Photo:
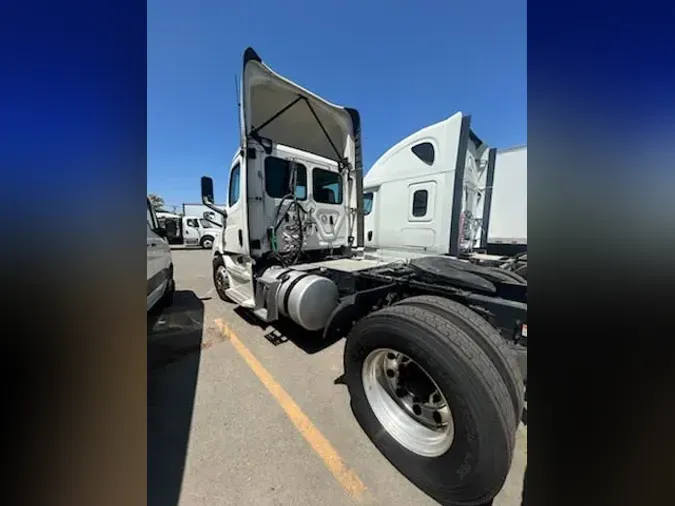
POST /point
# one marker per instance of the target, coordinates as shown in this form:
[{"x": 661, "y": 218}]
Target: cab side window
[
  {"x": 425, "y": 152},
  {"x": 326, "y": 186},
  {"x": 278, "y": 178},
  {"x": 419, "y": 205},
  {"x": 233, "y": 193},
  {"x": 367, "y": 203},
  {"x": 192, "y": 222}
]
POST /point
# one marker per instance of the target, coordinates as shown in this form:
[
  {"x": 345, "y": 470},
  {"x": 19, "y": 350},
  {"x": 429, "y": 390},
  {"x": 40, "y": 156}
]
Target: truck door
[
  {"x": 236, "y": 232},
  {"x": 369, "y": 216},
  {"x": 328, "y": 195},
  {"x": 420, "y": 230},
  {"x": 173, "y": 230},
  {"x": 190, "y": 231}
]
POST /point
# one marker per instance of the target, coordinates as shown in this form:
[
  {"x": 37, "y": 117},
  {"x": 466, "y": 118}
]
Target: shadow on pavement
[
  {"x": 174, "y": 350},
  {"x": 285, "y": 330}
]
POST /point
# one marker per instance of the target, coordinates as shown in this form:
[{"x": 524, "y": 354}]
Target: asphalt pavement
[{"x": 240, "y": 414}]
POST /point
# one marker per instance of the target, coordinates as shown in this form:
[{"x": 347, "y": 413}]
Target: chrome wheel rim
[
  {"x": 208, "y": 243},
  {"x": 221, "y": 279},
  {"x": 407, "y": 402}
]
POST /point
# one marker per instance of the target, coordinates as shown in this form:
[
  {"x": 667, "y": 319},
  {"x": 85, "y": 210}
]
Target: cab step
[{"x": 241, "y": 296}]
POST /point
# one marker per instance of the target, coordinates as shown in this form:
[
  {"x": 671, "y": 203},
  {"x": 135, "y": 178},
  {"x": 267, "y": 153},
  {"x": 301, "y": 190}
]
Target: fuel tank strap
[
  {"x": 292, "y": 285},
  {"x": 282, "y": 274}
]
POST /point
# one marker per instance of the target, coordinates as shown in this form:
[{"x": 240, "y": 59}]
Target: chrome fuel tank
[{"x": 305, "y": 298}]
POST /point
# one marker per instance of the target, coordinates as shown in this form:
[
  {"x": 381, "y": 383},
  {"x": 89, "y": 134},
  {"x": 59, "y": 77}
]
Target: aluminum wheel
[
  {"x": 220, "y": 279},
  {"x": 207, "y": 244},
  {"x": 407, "y": 402}
]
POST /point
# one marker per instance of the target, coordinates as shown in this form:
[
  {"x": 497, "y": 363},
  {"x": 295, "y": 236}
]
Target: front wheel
[
  {"x": 220, "y": 280},
  {"x": 432, "y": 402},
  {"x": 206, "y": 242}
]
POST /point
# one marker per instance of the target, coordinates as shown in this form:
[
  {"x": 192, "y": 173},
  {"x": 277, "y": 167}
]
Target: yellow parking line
[{"x": 345, "y": 476}]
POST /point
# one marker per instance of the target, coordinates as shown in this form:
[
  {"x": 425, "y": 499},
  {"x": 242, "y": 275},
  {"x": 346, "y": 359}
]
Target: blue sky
[{"x": 403, "y": 65}]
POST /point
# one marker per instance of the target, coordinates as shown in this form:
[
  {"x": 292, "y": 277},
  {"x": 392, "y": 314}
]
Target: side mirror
[
  {"x": 207, "y": 190},
  {"x": 207, "y": 196}
]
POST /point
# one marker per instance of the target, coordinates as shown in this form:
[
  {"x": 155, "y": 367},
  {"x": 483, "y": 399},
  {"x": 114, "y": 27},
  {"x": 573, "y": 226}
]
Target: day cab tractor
[
  {"x": 429, "y": 355},
  {"x": 189, "y": 230}
]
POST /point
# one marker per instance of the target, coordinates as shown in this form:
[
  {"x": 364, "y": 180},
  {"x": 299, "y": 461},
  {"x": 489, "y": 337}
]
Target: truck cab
[
  {"x": 297, "y": 162},
  {"x": 190, "y": 230},
  {"x": 424, "y": 195}
]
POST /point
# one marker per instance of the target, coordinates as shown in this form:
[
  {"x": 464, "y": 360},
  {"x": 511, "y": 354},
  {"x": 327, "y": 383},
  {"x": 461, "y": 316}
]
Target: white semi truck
[
  {"x": 189, "y": 230},
  {"x": 204, "y": 212},
  {"x": 438, "y": 192},
  {"x": 429, "y": 359}
]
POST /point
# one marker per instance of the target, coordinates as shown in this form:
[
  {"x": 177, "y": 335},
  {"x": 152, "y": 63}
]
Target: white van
[{"x": 161, "y": 285}]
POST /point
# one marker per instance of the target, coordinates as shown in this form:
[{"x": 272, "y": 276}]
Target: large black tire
[
  {"x": 485, "y": 336},
  {"x": 474, "y": 468}
]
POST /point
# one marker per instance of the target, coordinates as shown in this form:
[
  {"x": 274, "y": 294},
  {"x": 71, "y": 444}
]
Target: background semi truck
[
  {"x": 204, "y": 212},
  {"x": 440, "y": 192},
  {"x": 189, "y": 230},
  {"x": 429, "y": 358}
]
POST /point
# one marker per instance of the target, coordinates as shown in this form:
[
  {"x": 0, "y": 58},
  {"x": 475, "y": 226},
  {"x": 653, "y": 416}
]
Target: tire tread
[
  {"x": 487, "y": 337},
  {"x": 443, "y": 333}
]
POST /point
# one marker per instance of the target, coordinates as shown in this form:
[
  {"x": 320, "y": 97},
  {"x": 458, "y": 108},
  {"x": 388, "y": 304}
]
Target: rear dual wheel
[
  {"x": 432, "y": 401},
  {"x": 485, "y": 336}
]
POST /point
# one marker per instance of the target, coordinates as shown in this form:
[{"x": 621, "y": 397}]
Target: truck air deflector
[
  {"x": 358, "y": 175},
  {"x": 343, "y": 162},
  {"x": 458, "y": 189},
  {"x": 270, "y": 109},
  {"x": 487, "y": 205}
]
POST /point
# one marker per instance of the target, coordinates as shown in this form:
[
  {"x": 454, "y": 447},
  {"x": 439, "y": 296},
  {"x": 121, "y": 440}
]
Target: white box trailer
[
  {"x": 505, "y": 208},
  {"x": 200, "y": 209}
]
